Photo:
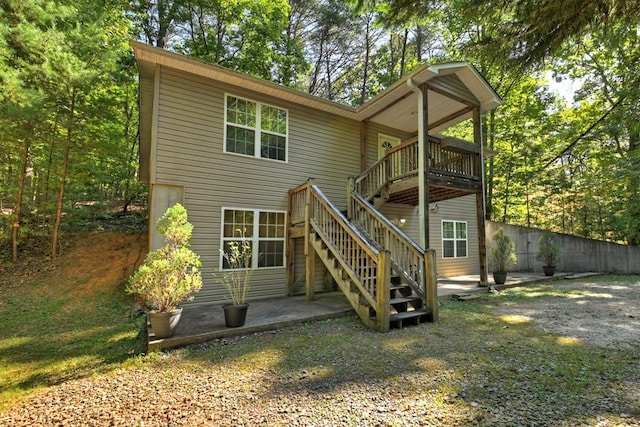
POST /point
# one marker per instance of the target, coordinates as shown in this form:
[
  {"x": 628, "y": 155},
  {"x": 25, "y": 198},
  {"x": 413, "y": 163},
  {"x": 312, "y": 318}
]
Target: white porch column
[{"x": 423, "y": 162}]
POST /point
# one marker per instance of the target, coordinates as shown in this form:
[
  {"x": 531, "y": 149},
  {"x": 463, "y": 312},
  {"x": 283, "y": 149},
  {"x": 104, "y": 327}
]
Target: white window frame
[
  {"x": 455, "y": 239},
  {"x": 255, "y": 239},
  {"x": 258, "y": 130}
]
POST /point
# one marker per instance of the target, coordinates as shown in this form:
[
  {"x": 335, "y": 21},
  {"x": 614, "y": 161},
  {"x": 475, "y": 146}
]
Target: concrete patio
[{"x": 205, "y": 322}]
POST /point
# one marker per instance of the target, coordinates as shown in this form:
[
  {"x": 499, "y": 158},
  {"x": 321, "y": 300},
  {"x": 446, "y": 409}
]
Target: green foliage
[
  {"x": 67, "y": 78},
  {"x": 169, "y": 275},
  {"x": 502, "y": 256},
  {"x": 236, "y": 278},
  {"x": 548, "y": 252},
  {"x": 242, "y": 35}
]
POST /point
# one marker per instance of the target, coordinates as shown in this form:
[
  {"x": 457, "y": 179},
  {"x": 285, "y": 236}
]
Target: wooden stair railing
[
  {"x": 411, "y": 262},
  {"x": 361, "y": 270}
]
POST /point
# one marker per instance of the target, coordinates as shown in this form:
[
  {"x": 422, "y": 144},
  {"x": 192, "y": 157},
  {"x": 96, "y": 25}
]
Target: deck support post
[
  {"x": 309, "y": 252},
  {"x": 383, "y": 296},
  {"x": 291, "y": 249},
  {"x": 480, "y": 199},
  {"x": 431, "y": 283},
  {"x": 291, "y": 280}
]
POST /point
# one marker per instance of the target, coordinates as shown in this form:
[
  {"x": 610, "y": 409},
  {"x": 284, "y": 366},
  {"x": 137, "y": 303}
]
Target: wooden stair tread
[
  {"x": 400, "y": 300},
  {"x": 409, "y": 314}
]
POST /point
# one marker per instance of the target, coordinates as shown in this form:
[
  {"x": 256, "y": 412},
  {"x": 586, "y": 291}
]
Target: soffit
[{"x": 453, "y": 88}]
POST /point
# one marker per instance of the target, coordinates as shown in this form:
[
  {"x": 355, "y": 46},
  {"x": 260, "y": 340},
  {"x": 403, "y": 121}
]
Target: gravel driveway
[{"x": 599, "y": 313}]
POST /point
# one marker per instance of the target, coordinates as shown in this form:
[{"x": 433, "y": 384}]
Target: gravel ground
[
  {"x": 598, "y": 313},
  {"x": 178, "y": 388}
]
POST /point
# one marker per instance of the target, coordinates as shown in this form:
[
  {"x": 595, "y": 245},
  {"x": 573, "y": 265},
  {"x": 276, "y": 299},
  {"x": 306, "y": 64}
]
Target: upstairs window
[
  {"x": 454, "y": 239},
  {"x": 255, "y": 129}
]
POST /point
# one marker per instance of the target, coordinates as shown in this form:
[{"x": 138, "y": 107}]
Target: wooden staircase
[
  {"x": 407, "y": 308},
  {"x": 360, "y": 254}
]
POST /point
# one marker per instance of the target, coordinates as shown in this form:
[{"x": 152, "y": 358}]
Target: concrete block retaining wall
[{"x": 577, "y": 254}]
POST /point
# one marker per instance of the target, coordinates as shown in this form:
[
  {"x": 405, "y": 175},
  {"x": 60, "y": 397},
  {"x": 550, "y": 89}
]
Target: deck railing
[
  {"x": 401, "y": 162},
  {"x": 367, "y": 266}
]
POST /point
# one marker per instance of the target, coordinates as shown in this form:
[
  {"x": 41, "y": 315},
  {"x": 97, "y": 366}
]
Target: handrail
[
  {"x": 407, "y": 257},
  {"x": 366, "y": 266}
]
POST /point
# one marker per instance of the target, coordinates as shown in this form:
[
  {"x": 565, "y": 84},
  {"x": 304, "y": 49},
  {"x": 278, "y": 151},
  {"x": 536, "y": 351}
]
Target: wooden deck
[{"x": 454, "y": 170}]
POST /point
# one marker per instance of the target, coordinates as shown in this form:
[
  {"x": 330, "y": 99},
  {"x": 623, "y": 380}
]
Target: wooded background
[{"x": 567, "y": 161}]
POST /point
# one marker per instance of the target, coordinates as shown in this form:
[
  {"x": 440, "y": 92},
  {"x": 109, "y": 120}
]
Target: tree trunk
[
  {"x": 18, "y": 204},
  {"x": 403, "y": 57},
  {"x": 56, "y": 227},
  {"x": 367, "y": 53}
]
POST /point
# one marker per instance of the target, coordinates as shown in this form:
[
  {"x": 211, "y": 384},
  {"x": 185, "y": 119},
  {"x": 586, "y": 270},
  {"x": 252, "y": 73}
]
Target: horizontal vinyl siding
[
  {"x": 190, "y": 153},
  {"x": 460, "y": 209}
]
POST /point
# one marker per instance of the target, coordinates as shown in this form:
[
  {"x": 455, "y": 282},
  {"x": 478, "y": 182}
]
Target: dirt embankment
[{"x": 88, "y": 262}]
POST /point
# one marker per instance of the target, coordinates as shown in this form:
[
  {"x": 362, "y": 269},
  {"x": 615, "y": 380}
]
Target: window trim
[
  {"x": 257, "y": 143},
  {"x": 255, "y": 240},
  {"x": 455, "y": 239}
]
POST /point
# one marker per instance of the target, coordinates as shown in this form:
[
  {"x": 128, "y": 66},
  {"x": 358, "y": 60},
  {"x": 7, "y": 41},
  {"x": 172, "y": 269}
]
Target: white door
[{"x": 385, "y": 142}]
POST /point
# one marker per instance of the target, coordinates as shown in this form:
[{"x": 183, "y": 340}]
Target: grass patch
[{"x": 64, "y": 322}]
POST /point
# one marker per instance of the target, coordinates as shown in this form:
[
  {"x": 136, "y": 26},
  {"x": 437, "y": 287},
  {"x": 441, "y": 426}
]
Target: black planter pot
[
  {"x": 499, "y": 277},
  {"x": 549, "y": 270},
  {"x": 235, "y": 315}
]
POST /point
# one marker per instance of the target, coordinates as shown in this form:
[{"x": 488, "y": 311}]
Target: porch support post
[
  {"x": 480, "y": 201},
  {"x": 291, "y": 249},
  {"x": 423, "y": 162}
]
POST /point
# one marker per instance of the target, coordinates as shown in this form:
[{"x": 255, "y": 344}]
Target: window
[
  {"x": 454, "y": 239},
  {"x": 263, "y": 230},
  {"x": 255, "y": 129}
]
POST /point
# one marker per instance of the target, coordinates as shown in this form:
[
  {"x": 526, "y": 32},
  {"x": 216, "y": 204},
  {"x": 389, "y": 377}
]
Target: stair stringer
[{"x": 342, "y": 274}]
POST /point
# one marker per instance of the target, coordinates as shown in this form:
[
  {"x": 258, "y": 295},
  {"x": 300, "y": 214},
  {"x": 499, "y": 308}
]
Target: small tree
[
  {"x": 170, "y": 274},
  {"x": 548, "y": 251},
  {"x": 237, "y": 276},
  {"x": 502, "y": 257}
]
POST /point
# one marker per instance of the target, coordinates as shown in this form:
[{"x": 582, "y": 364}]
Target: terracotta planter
[
  {"x": 164, "y": 324},
  {"x": 549, "y": 270},
  {"x": 235, "y": 315},
  {"x": 499, "y": 277}
]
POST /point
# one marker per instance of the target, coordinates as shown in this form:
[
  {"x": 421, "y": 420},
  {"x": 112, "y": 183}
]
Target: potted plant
[
  {"x": 169, "y": 275},
  {"x": 236, "y": 277},
  {"x": 502, "y": 256},
  {"x": 548, "y": 252}
]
